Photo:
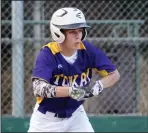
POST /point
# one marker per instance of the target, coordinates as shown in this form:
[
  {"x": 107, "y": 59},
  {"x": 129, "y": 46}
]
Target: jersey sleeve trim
[
  {"x": 103, "y": 73},
  {"x": 39, "y": 99}
]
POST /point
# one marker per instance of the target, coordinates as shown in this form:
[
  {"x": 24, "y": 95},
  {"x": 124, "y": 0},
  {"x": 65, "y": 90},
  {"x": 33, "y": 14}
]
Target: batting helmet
[{"x": 66, "y": 18}]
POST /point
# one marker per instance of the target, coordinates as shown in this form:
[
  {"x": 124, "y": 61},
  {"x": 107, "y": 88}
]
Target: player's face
[{"x": 73, "y": 38}]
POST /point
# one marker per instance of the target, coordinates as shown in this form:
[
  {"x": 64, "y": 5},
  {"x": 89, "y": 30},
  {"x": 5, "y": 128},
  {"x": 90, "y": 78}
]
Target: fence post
[
  {"x": 37, "y": 27},
  {"x": 17, "y": 59},
  {"x": 137, "y": 60}
]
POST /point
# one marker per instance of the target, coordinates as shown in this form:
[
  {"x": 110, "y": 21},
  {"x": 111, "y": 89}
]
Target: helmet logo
[
  {"x": 65, "y": 12},
  {"x": 78, "y": 15}
]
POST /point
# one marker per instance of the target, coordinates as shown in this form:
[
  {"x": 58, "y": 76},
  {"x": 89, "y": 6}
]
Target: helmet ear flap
[
  {"x": 56, "y": 33},
  {"x": 84, "y": 34}
]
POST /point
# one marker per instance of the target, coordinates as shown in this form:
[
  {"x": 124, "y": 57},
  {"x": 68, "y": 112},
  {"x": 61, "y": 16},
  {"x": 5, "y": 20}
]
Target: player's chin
[{"x": 77, "y": 45}]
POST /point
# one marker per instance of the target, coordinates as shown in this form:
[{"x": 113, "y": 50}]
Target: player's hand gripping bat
[{"x": 85, "y": 92}]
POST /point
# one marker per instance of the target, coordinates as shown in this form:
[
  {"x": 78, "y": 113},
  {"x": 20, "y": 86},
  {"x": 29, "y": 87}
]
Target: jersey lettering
[{"x": 73, "y": 80}]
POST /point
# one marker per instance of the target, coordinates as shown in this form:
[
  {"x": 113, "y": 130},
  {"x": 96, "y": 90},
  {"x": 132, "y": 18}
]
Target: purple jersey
[{"x": 51, "y": 66}]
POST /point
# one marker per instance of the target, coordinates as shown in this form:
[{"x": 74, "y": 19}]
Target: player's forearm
[
  {"x": 111, "y": 79},
  {"x": 62, "y": 91},
  {"x": 43, "y": 89}
]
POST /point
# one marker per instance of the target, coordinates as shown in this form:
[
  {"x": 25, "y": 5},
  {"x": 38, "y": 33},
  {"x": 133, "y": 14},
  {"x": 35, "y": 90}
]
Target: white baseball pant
[{"x": 78, "y": 122}]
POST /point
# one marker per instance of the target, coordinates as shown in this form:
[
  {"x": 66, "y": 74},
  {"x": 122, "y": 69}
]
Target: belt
[{"x": 63, "y": 114}]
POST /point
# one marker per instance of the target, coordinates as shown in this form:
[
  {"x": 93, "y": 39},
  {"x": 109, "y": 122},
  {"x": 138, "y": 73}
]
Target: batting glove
[
  {"x": 84, "y": 92},
  {"x": 97, "y": 89},
  {"x": 76, "y": 93}
]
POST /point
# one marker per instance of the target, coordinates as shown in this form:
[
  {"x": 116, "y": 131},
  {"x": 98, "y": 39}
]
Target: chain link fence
[{"x": 119, "y": 28}]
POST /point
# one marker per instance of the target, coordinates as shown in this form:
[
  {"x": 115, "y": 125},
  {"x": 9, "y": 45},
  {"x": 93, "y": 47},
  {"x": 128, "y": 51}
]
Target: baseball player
[{"x": 62, "y": 72}]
